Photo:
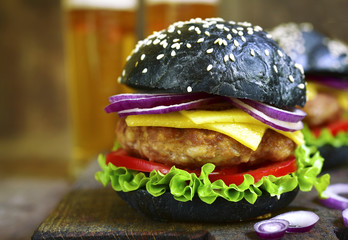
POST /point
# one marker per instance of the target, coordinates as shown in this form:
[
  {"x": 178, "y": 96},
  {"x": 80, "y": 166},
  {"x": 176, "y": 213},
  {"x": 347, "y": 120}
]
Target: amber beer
[
  {"x": 100, "y": 34},
  {"x": 161, "y": 13}
]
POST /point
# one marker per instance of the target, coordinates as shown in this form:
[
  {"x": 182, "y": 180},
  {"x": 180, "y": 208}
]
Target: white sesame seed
[
  {"x": 220, "y": 26},
  {"x": 207, "y": 33},
  {"x": 144, "y": 70},
  {"x": 164, "y": 43},
  {"x": 210, "y": 50},
  {"x": 136, "y": 64},
  {"x": 299, "y": 67},
  {"x": 149, "y": 42},
  {"x": 119, "y": 79},
  {"x": 243, "y": 38},
  {"x": 291, "y": 78},
  {"x": 176, "y": 45},
  {"x": 235, "y": 42},
  {"x": 200, "y": 40},
  {"x": 189, "y": 89},
  {"x": 268, "y": 35},
  {"x": 209, "y": 67},
  {"x": 229, "y": 36},
  {"x": 257, "y": 28},
  {"x": 232, "y": 57},
  {"x": 173, "y": 53},
  {"x": 123, "y": 73},
  {"x": 142, "y": 57},
  {"x": 176, "y": 40},
  {"x": 191, "y": 28},
  {"x": 240, "y": 28},
  {"x": 234, "y": 31},
  {"x": 275, "y": 68},
  {"x": 129, "y": 56},
  {"x": 280, "y": 53},
  {"x": 240, "y": 33},
  {"x": 198, "y": 31},
  {"x": 179, "y": 32},
  {"x": 266, "y": 52},
  {"x": 171, "y": 29},
  {"x": 217, "y": 40},
  {"x": 160, "y": 56},
  {"x": 226, "y": 58},
  {"x": 252, "y": 52},
  {"x": 226, "y": 29},
  {"x": 162, "y": 36},
  {"x": 188, "y": 45},
  {"x": 180, "y": 24},
  {"x": 156, "y": 41},
  {"x": 205, "y": 25},
  {"x": 301, "y": 86},
  {"x": 250, "y": 32}
]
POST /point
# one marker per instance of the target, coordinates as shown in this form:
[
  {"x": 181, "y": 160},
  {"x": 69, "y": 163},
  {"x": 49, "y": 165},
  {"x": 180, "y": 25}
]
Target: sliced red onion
[
  {"x": 300, "y": 221},
  {"x": 272, "y": 122},
  {"x": 271, "y": 229},
  {"x": 171, "y": 108},
  {"x": 345, "y": 217},
  {"x": 335, "y": 200},
  {"x": 121, "y": 102},
  {"x": 134, "y": 96},
  {"x": 288, "y": 116},
  {"x": 127, "y": 96}
]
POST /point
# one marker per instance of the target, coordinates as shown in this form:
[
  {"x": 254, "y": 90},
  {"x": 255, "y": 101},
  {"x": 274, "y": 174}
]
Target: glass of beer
[
  {"x": 100, "y": 34},
  {"x": 161, "y": 13}
]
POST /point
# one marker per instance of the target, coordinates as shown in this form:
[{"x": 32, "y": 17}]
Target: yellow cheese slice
[
  {"x": 236, "y": 116},
  {"x": 314, "y": 88},
  {"x": 249, "y": 135},
  {"x": 247, "y": 132},
  {"x": 224, "y": 116},
  {"x": 311, "y": 91},
  {"x": 174, "y": 119}
]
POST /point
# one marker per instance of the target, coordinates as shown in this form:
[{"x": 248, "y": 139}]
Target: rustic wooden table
[{"x": 90, "y": 211}]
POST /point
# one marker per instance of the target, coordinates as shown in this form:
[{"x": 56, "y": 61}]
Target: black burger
[
  {"x": 325, "y": 63},
  {"x": 213, "y": 132}
]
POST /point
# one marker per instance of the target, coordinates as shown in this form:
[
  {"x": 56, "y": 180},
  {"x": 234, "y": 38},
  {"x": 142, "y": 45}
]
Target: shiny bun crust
[
  {"x": 218, "y": 57},
  {"x": 318, "y": 54}
]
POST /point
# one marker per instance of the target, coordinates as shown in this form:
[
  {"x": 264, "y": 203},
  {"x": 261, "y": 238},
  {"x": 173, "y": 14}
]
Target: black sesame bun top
[
  {"x": 218, "y": 57},
  {"x": 318, "y": 54}
]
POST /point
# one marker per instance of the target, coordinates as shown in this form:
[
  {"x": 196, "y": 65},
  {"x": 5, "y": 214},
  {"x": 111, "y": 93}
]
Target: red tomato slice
[
  {"x": 120, "y": 158},
  {"x": 334, "y": 128},
  {"x": 229, "y": 175},
  {"x": 277, "y": 169}
]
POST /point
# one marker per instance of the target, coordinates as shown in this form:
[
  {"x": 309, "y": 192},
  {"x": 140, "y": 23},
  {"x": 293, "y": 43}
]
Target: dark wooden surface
[{"x": 90, "y": 211}]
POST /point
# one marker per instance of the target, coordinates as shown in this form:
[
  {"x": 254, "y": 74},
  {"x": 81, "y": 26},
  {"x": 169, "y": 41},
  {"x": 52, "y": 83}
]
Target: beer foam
[
  {"x": 102, "y": 4},
  {"x": 183, "y": 1}
]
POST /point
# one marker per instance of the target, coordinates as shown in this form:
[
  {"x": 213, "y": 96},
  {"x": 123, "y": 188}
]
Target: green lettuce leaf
[
  {"x": 325, "y": 137},
  {"x": 184, "y": 186}
]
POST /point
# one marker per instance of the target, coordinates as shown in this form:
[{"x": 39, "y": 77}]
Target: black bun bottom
[
  {"x": 166, "y": 208},
  {"x": 333, "y": 156}
]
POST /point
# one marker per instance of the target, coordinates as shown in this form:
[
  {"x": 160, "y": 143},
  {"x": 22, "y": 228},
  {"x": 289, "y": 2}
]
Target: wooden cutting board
[{"x": 90, "y": 211}]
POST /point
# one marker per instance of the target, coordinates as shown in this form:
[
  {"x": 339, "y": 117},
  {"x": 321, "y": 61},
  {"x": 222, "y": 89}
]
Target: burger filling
[
  {"x": 322, "y": 110},
  {"x": 194, "y": 147},
  {"x": 324, "y": 106}
]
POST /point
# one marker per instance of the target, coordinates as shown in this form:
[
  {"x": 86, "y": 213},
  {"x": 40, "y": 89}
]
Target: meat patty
[
  {"x": 322, "y": 110},
  {"x": 195, "y": 147}
]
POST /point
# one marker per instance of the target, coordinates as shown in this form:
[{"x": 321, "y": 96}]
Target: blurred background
[{"x": 60, "y": 61}]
